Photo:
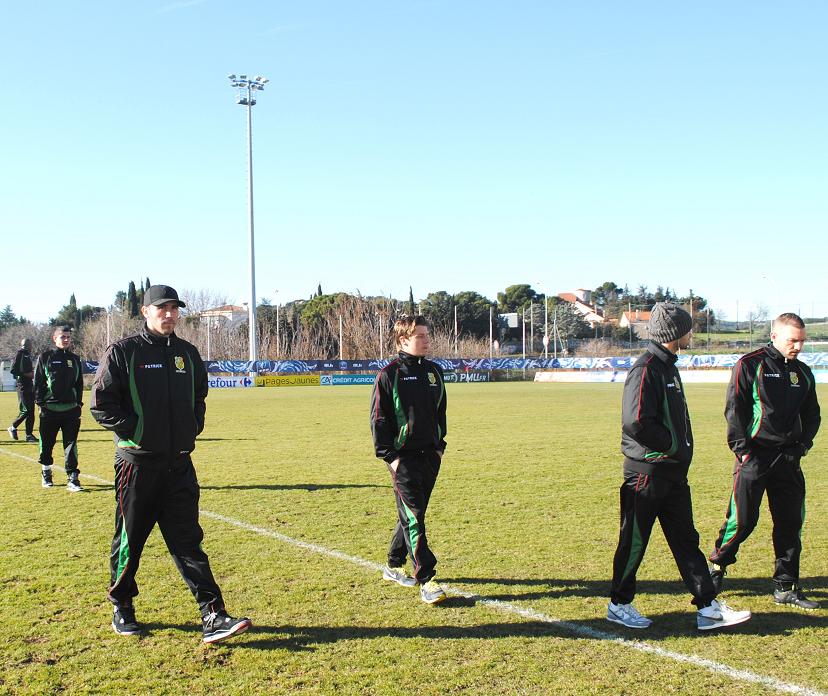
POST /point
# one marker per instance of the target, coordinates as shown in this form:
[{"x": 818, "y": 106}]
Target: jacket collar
[
  {"x": 662, "y": 353},
  {"x": 409, "y": 359},
  {"x": 150, "y": 337},
  {"x": 771, "y": 350}
]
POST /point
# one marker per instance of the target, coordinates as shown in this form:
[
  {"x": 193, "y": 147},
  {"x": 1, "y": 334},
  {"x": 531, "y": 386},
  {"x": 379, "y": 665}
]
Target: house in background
[{"x": 638, "y": 319}]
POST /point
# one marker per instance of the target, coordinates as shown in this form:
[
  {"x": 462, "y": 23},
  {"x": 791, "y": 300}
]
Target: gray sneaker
[
  {"x": 627, "y": 615},
  {"x": 31, "y": 438},
  {"x": 719, "y": 615},
  {"x": 13, "y": 432},
  {"x": 46, "y": 478},
  {"x": 795, "y": 597},
  {"x": 398, "y": 575},
  {"x": 431, "y": 592},
  {"x": 73, "y": 484}
]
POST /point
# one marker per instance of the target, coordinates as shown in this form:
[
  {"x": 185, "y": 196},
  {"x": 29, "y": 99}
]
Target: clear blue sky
[{"x": 442, "y": 145}]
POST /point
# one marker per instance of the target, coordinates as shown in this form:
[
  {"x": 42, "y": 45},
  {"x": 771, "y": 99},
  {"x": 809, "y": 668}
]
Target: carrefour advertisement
[{"x": 229, "y": 382}]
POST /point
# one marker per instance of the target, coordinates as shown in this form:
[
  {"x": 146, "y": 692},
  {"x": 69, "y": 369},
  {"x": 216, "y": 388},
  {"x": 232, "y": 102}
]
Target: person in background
[
  {"x": 58, "y": 391},
  {"x": 23, "y": 372}
]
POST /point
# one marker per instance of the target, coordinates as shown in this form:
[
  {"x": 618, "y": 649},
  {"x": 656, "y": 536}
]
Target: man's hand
[{"x": 793, "y": 453}]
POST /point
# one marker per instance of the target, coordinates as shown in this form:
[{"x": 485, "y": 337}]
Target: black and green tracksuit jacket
[
  {"x": 771, "y": 403},
  {"x": 408, "y": 407},
  {"x": 149, "y": 391},
  {"x": 656, "y": 436},
  {"x": 22, "y": 367},
  {"x": 58, "y": 381}
]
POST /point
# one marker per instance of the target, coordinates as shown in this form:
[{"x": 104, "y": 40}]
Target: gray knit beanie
[{"x": 668, "y": 322}]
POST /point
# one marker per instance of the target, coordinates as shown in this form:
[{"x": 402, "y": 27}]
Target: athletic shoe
[
  {"x": 124, "y": 623},
  {"x": 73, "y": 484},
  {"x": 794, "y": 597},
  {"x": 432, "y": 593},
  {"x": 46, "y": 478},
  {"x": 13, "y": 432},
  {"x": 398, "y": 575},
  {"x": 30, "y": 438},
  {"x": 719, "y": 615},
  {"x": 220, "y": 626},
  {"x": 717, "y": 574},
  {"x": 627, "y": 615}
]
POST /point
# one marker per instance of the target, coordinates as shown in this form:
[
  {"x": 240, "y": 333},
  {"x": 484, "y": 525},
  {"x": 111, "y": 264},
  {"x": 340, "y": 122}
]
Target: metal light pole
[{"x": 246, "y": 87}]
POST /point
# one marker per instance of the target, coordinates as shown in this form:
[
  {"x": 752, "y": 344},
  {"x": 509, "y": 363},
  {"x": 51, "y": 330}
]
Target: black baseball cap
[{"x": 159, "y": 294}]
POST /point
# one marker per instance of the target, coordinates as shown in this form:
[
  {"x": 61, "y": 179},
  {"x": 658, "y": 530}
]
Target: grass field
[{"x": 524, "y": 520}]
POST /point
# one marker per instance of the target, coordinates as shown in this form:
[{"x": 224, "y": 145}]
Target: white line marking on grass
[{"x": 508, "y": 608}]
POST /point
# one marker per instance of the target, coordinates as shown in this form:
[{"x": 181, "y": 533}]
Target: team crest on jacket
[
  {"x": 179, "y": 363},
  {"x": 794, "y": 378},
  {"x": 431, "y": 378}
]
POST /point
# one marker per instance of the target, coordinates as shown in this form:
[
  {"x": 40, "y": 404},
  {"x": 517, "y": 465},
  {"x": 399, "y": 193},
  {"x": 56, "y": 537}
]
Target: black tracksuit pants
[
  {"x": 25, "y": 397},
  {"x": 413, "y": 483},
  {"x": 645, "y": 499},
  {"x": 68, "y": 424},
  {"x": 153, "y": 492},
  {"x": 766, "y": 470}
]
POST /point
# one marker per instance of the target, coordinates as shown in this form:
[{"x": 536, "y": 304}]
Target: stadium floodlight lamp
[{"x": 246, "y": 87}]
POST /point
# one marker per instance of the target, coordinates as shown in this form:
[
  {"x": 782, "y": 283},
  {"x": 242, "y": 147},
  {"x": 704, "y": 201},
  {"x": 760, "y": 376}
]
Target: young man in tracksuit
[
  {"x": 23, "y": 372},
  {"x": 772, "y": 418},
  {"x": 150, "y": 391},
  {"x": 657, "y": 442},
  {"x": 58, "y": 391},
  {"x": 408, "y": 424}
]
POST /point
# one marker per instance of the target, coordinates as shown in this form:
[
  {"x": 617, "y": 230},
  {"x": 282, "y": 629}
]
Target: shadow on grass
[
  {"x": 293, "y": 486},
  {"x": 665, "y": 626},
  {"x": 816, "y": 587}
]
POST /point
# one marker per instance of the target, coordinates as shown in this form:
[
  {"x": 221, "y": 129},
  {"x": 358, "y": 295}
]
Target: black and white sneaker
[
  {"x": 124, "y": 623},
  {"x": 31, "y": 438},
  {"x": 794, "y": 597},
  {"x": 73, "y": 484},
  {"x": 219, "y": 626},
  {"x": 13, "y": 432},
  {"x": 46, "y": 477}
]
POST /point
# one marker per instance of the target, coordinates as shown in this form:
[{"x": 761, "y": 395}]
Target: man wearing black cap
[
  {"x": 23, "y": 372},
  {"x": 58, "y": 391},
  {"x": 657, "y": 443},
  {"x": 150, "y": 390},
  {"x": 772, "y": 418}
]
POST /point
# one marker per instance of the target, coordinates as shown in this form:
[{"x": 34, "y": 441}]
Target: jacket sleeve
[
  {"x": 383, "y": 422},
  {"x": 739, "y": 409},
  {"x": 200, "y": 385},
  {"x": 40, "y": 379},
  {"x": 640, "y": 410},
  {"x": 79, "y": 380},
  {"x": 441, "y": 413},
  {"x": 111, "y": 402},
  {"x": 809, "y": 415}
]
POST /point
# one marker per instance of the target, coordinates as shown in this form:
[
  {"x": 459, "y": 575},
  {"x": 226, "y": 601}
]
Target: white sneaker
[
  {"x": 398, "y": 575},
  {"x": 719, "y": 615},
  {"x": 627, "y": 615}
]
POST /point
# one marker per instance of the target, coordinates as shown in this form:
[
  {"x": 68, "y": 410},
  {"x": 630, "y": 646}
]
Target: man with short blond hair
[
  {"x": 772, "y": 417},
  {"x": 408, "y": 425}
]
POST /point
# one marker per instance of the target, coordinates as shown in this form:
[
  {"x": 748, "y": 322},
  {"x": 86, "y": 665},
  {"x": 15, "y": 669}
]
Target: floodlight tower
[{"x": 247, "y": 88}]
